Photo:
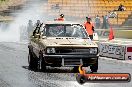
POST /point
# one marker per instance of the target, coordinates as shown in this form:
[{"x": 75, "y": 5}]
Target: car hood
[{"x": 68, "y": 42}]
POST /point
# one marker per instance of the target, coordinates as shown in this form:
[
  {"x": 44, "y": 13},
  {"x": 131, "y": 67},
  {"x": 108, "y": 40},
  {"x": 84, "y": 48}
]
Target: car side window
[
  {"x": 43, "y": 31},
  {"x": 56, "y": 30},
  {"x": 68, "y": 31}
]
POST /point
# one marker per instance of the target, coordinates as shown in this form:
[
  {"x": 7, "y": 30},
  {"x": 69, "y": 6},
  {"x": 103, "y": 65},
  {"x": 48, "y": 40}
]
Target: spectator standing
[
  {"x": 121, "y": 8},
  {"x": 97, "y": 22},
  {"x": 89, "y": 27},
  {"x": 61, "y": 18},
  {"x": 37, "y": 27},
  {"x": 105, "y": 24},
  {"x": 30, "y": 28},
  {"x": 38, "y": 23}
]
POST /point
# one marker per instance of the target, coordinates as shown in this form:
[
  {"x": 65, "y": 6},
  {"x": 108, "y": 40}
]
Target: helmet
[
  {"x": 62, "y": 15},
  {"x": 88, "y": 17}
]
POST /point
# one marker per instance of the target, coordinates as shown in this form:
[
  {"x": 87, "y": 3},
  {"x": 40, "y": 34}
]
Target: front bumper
[
  {"x": 69, "y": 56},
  {"x": 70, "y": 60}
]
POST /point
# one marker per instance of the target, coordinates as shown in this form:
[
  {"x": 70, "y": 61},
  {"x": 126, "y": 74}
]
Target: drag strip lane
[
  {"x": 11, "y": 71},
  {"x": 13, "y": 56},
  {"x": 13, "y": 46}
]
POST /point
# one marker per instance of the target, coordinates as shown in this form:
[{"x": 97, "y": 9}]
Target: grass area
[{"x": 3, "y": 1}]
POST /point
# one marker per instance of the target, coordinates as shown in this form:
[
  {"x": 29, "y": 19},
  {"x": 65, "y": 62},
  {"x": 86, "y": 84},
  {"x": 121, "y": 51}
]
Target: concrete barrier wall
[
  {"x": 112, "y": 50},
  {"x": 123, "y": 34},
  {"x": 116, "y": 49},
  {"x": 104, "y": 33}
]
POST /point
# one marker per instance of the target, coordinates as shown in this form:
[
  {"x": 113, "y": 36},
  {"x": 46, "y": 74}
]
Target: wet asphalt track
[{"x": 14, "y": 71}]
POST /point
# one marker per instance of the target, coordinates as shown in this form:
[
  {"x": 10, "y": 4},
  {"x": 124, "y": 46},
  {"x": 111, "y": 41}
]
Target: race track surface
[{"x": 14, "y": 70}]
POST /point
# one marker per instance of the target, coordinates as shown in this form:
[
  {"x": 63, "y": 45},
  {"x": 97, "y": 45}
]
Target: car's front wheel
[
  {"x": 33, "y": 63},
  {"x": 42, "y": 64},
  {"x": 81, "y": 79},
  {"x": 94, "y": 67}
]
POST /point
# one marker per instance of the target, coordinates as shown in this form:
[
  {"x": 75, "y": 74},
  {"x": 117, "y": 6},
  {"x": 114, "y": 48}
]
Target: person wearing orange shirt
[
  {"x": 89, "y": 27},
  {"x": 61, "y": 18}
]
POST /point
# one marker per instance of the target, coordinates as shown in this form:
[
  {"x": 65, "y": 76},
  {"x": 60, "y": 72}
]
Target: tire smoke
[{"x": 32, "y": 10}]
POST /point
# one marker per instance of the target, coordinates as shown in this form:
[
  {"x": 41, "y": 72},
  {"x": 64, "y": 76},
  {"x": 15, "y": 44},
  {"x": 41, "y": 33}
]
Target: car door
[
  {"x": 41, "y": 38},
  {"x": 35, "y": 42}
]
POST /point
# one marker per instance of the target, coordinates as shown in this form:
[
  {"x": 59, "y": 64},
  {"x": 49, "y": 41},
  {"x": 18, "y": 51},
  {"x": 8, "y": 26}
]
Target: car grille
[
  {"x": 71, "y": 62},
  {"x": 72, "y": 51}
]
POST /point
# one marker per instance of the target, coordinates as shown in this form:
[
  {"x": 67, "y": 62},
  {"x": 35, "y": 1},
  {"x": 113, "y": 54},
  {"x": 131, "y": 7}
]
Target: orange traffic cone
[{"x": 111, "y": 34}]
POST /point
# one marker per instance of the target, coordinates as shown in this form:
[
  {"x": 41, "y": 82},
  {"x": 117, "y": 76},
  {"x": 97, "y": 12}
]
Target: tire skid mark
[
  {"x": 43, "y": 80},
  {"x": 8, "y": 47},
  {"x": 4, "y": 83}
]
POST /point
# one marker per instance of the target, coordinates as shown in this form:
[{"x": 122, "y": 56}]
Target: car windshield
[{"x": 65, "y": 30}]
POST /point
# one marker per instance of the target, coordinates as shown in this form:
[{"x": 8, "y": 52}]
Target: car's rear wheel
[
  {"x": 94, "y": 67},
  {"x": 42, "y": 64},
  {"x": 33, "y": 62}
]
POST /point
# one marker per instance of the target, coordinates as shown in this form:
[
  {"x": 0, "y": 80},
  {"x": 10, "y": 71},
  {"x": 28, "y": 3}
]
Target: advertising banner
[
  {"x": 103, "y": 49},
  {"x": 121, "y": 50}
]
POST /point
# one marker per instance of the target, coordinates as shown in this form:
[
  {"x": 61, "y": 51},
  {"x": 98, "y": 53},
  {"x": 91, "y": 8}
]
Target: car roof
[{"x": 61, "y": 22}]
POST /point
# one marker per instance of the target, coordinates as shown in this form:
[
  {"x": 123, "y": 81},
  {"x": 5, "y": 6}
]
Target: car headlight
[
  {"x": 50, "y": 50},
  {"x": 93, "y": 50}
]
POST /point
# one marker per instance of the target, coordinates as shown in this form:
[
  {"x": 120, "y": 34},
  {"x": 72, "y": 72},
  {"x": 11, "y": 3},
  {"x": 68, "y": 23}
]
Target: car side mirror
[
  {"x": 43, "y": 37},
  {"x": 37, "y": 35},
  {"x": 88, "y": 38}
]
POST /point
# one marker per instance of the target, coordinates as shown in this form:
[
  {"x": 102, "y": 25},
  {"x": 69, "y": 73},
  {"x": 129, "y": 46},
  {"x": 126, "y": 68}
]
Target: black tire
[
  {"x": 33, "y": 62},
  {"x": 42, "y": 64},
  {"x": 94, "y": 67},
  {"x": 81, "y": 79}
]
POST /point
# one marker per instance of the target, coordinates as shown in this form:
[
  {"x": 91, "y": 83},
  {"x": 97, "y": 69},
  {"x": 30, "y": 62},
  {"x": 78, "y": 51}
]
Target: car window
[
  {"x": 66, "y": 30},
  {"x": 56, "y": 30},
  {"x": 76, "y": 31}
]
